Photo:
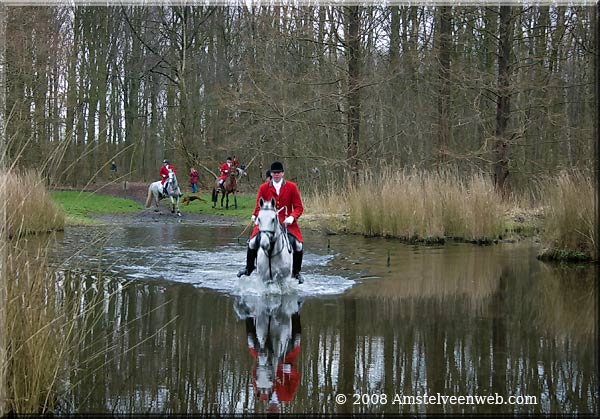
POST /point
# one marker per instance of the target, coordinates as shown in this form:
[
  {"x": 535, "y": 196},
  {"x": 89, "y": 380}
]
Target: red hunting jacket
[
  {"x": 164, "y": 172},
  {"x": 224, "y": 171},
  {"x": 289, "y": 197}
]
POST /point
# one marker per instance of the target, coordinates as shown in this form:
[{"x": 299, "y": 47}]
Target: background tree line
[{"x": 340, "y": 88}]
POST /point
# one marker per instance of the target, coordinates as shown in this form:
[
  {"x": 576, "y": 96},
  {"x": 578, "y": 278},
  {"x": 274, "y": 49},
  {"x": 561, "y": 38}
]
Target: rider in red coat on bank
[
  {"x": 286, "y": 196},
  {"x": 164, "y": 174},
  {"x": 225, "y": 168}
]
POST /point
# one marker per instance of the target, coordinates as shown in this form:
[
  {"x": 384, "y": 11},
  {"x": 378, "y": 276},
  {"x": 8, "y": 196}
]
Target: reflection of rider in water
[{"x": 282, "y": 387}]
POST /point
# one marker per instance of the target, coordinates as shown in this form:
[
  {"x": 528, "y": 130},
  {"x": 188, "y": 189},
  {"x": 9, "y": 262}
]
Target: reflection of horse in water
[
  {"x": 273, "y": 331},
  {"x": 229, "y": 187},
  {"x": 155, "y": 190}
]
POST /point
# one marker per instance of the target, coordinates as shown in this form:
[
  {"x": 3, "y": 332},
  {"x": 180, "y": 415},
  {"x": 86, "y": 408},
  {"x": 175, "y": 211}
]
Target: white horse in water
[
  {"x": 274, "y": 258},
  {"x": 173, "y": 192}
]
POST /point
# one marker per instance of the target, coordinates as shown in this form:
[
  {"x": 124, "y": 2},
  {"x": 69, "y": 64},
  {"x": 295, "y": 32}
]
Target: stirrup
[
  {"x": 242, "y": 272},
  {"x": 299, "y": 277}
]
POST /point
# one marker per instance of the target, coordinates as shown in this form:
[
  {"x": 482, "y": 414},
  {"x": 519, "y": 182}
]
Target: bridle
[
  {"x": 272, "y": 235},
  {"x": 172, "y": 182}
]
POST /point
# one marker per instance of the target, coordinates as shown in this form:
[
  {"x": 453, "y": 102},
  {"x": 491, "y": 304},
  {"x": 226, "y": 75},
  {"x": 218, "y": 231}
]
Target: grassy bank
[
  {"x": 81, "y": 206},
  {"x": 431, "y": 207},
  {"x": 244, "y": 210},
  {"x": 569, "y": 230}
]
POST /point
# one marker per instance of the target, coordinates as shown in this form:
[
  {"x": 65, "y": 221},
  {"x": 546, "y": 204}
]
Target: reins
[{"x": 286, "y": 242}]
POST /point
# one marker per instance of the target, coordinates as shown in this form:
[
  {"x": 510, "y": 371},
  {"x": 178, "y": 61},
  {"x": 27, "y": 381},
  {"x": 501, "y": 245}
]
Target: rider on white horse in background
[
  {"x": 288, "y": 200},
  {"x": 225, "y": 168},
  {"x": 164, "y": 174}
]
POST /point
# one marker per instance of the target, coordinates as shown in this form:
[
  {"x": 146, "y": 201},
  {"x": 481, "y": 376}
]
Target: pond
[{"x": 377, "y": 327}]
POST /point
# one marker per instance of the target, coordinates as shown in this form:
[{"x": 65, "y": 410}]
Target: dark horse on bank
[{"x": 229, "y": 187}]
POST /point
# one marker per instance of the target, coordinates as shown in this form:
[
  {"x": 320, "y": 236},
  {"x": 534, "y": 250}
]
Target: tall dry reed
[
  {"x": 29, "y": 208},
  {"x": 569, "y": 229},
  {"x": 35, "y": 330},
  {"x": 420, "y": 205},
  {"x": 37, "y": 322}
]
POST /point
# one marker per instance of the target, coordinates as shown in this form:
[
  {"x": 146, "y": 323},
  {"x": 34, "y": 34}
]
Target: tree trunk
[
  {"x": 445, "y": 43},
  {"x": 353, "y": 50},
  {"x": 3, "y": 230},
  {"x": 502, "y": 144}
]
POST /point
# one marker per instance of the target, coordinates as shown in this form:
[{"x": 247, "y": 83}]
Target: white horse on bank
[{"x": 155, "y": 190}]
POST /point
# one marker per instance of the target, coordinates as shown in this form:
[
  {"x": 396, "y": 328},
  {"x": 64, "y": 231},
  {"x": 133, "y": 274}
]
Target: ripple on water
[{"x": 217, "y": 270}]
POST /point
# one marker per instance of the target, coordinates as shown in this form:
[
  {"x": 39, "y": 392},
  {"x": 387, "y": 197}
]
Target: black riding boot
[
  {"x": 297, "y": 266},
  {"x": 250, "y": 262}
]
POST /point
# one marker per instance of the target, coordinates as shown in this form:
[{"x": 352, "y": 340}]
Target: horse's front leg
[
  {"x": 235, "y": 200},
  {"x": 172, "y": 205},
  {"x": 177, "y": 206}
]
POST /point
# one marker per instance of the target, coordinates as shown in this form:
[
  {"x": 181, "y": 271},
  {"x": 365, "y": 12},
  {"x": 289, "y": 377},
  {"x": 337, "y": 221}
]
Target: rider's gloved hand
[
  {"x": 253, "y": 218},
  {"x": 289, "y": 220}
]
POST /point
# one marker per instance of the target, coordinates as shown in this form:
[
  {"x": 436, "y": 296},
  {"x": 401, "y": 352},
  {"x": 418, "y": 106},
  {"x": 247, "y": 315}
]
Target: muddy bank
[{"x": 165, "y": 216}]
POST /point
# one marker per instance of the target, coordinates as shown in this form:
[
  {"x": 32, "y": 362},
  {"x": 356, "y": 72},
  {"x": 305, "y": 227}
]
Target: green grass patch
[
  {"x": 79, "y": 206},
  {"x": 564, "y": 255},
  {"x": 519, "y": 230},
  {"x": 245, "y": 206}
]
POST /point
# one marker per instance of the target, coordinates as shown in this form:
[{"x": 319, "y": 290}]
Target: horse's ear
[
  {"x": 273, "y": 202},
  {"x": 261, "y": 202}
]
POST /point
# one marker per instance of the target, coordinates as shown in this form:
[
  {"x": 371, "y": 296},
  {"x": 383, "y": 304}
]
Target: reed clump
[
  {"x": 29, "y": 208},
  {"x": 326, "y": 209},
  {"x": 37, "y": 320},
  {"x": 36, "y": 331},
  {"x": 569, "y": 231},
  {"x": 426, "y": 206}
]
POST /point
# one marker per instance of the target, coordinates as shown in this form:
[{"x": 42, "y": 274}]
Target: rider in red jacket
[
  {"x": 225, "y": 168},
  {"x": 286, "y": 196},
  {"x": 164, "y": 174}
]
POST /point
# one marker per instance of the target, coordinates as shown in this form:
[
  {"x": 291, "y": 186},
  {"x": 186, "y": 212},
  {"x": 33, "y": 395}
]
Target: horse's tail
[
  {"x": 214, "y": 195},
  {"x": 149, "y": 198}
]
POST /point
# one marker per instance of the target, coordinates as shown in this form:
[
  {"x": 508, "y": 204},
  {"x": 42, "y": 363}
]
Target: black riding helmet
[{"x": 277, "y": 167}]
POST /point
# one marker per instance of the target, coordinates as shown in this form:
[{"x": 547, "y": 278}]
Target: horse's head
[
  {"x": 268, "y": 222},
  {"x": 241, "y": 171},
  {"x": 172, "y": 180}
]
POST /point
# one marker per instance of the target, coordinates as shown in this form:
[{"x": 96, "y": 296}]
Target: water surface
[{"x": 375, "y": 320}]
